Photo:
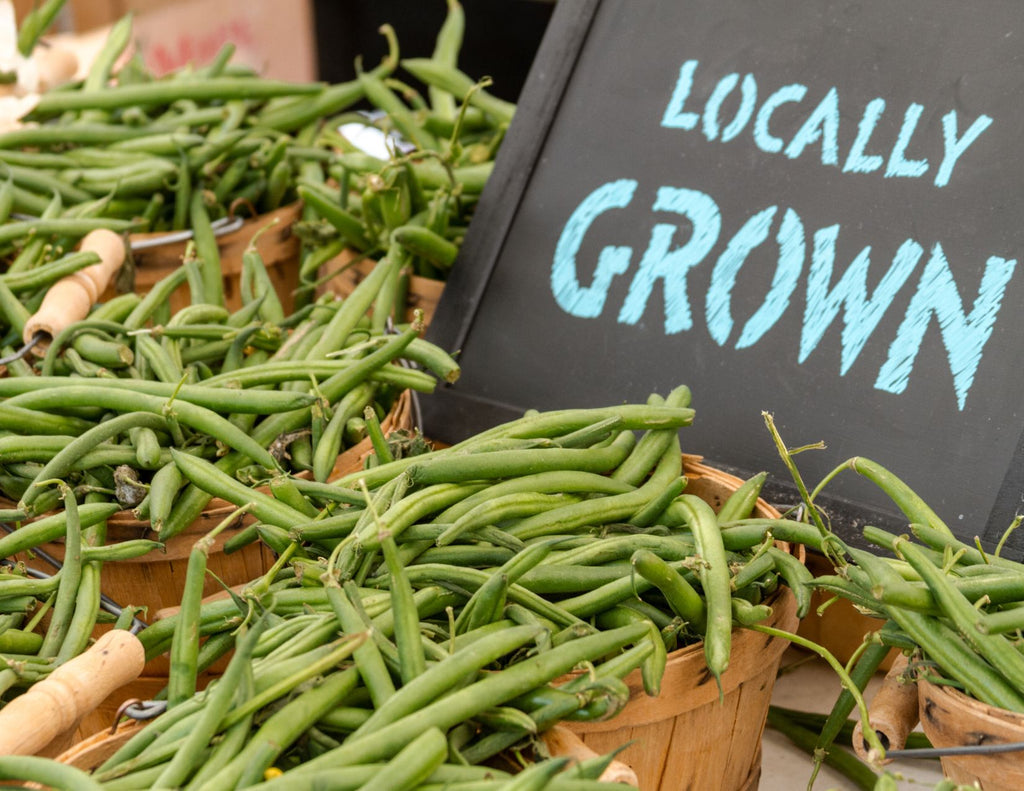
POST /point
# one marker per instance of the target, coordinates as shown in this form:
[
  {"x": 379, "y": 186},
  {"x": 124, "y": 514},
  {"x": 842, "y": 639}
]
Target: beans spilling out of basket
[{"x": 953, "y": 607}]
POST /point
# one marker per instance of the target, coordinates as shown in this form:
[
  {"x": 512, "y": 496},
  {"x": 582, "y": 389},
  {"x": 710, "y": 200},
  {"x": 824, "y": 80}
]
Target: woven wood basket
[
  {"x": 685, "y": 737},
  {"x": 278, "y": 247},
  {"x": 424, "y": 292},
  {"x": 949, "y": 718}
]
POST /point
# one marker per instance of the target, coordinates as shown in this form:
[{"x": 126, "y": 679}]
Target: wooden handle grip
[
  {"x": 52, "y": 706},
  {"x": 71, "y": 297},
  {"x": 893, "y": 711},
  {"x": 561, "y": 741}
]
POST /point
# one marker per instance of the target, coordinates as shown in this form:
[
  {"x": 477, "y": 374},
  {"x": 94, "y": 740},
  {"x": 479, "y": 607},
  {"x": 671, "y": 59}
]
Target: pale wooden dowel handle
[
  {"x": 71, "y": 297},
  {"x": 52, "y": 706},
  {"x": 893, "y": 711},
  {"x": 561, "y": 741}
]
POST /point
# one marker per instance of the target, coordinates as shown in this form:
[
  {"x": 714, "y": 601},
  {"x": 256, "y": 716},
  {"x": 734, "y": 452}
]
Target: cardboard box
[{"x": 273, "y": 37}]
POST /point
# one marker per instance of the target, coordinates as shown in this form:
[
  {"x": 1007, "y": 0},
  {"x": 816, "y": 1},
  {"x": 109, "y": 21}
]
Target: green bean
[
  {"x": 713, "y": 572},
  {"x": 264, "y": 507},
  {"x": 96, "y": 348},
  {"x": 83, "y": 621},
  {"x": 206, "y": 249},
  {"x": 181, "y": 680},
  {"x": 994, "y": 648},
  {"x": 158, "y": 295},
  {"x": 164, "y": 92},
  {"x": 381, "y": 96},
  {"x": 367, "y": 656},
  {"x": 354, "y": 307},
  {"x": 503, "y": 464},
  {"x": 15, "y": 418},
  {"x": 945, "y": 646},
  {"x": 46, "y": 771},
  {"x": 347, "y": 224},
  {"x": 275, "y": 372},
  {"x": 742, "y": 500},
  {"x": 123, "y": 400},
  {"x": 35, "y": 23},
  {"x": 13, "y": 310},
  {"x": 797, "y": 576},
  {"x": 122, "y": 550},
  {"x": 682, "y": 598},
  {"x": 50, "y": 527},
  {"x": 413, "y": 764},
  {"x": 70, "y": 576},
  {"x": 463, "y": 704},
  {"x": 68, "y": 227},
  {"x": 277, "y": 733},
  {"x": 117, "y": 308},
  {"x": 912, "y": 506},
  {"x": 329, "y": 446},
  {"x": 225, "y": 400}
]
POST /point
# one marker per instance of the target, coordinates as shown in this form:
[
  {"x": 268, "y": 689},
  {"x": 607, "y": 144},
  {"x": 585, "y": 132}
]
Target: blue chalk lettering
[
  {"x": 674, "y": 117},
  {"x": 723, "y": 277},
  {"x": 857, "y": 161},
  {"x": 714, "y": 104},
  {"x": 748, "y": 100},
  {"x": 860, "y": 314},
  {"x": 899, "y": 165},
  {"x": 763, "y": 137},
  {"x": 787, "y": 273},
  {"x": 964, "y": 337},
  {"x": 822, "y": 124},
  {"x": 672, "y": 266},
  {"x": 954, "y": 148},
  {"x": 565, "y": 285}
]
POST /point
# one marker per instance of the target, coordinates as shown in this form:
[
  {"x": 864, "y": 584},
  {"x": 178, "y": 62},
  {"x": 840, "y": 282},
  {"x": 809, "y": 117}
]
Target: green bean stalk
[{"x": 951, "y": 606}]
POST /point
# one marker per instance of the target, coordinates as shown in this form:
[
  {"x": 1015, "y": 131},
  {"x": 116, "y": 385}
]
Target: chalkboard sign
[{"x": 810, "y": 209}]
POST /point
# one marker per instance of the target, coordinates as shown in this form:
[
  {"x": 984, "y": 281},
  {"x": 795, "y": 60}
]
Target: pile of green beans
[
  {"x": 416, "y": 204},
  {"x": 132, "y": 152},
  {"x": 565, "y": 518},
  {"x": 320, "y": 685},
  {"x": 259, "y": 393}
]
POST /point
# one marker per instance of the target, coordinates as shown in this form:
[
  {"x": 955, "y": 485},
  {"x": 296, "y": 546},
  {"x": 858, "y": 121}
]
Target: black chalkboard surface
[{"x": 810, "y": 209}]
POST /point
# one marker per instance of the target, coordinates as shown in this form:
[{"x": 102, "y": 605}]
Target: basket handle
[
  {"x": 54, "y": 705},
  {"x": 561, "y": 741},
  {"x": 71, "y": 297},
  {"x": 893, "y": 711}
]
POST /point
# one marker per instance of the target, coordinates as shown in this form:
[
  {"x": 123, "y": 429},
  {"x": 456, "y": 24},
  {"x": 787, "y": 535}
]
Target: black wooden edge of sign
[
  {"x": 450, "y": 415},
  {"x": 549, "y": 75}
]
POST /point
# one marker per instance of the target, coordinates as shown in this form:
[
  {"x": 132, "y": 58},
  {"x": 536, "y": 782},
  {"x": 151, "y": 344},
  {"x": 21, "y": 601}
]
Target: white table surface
[{"x": 811, "y": 685}]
